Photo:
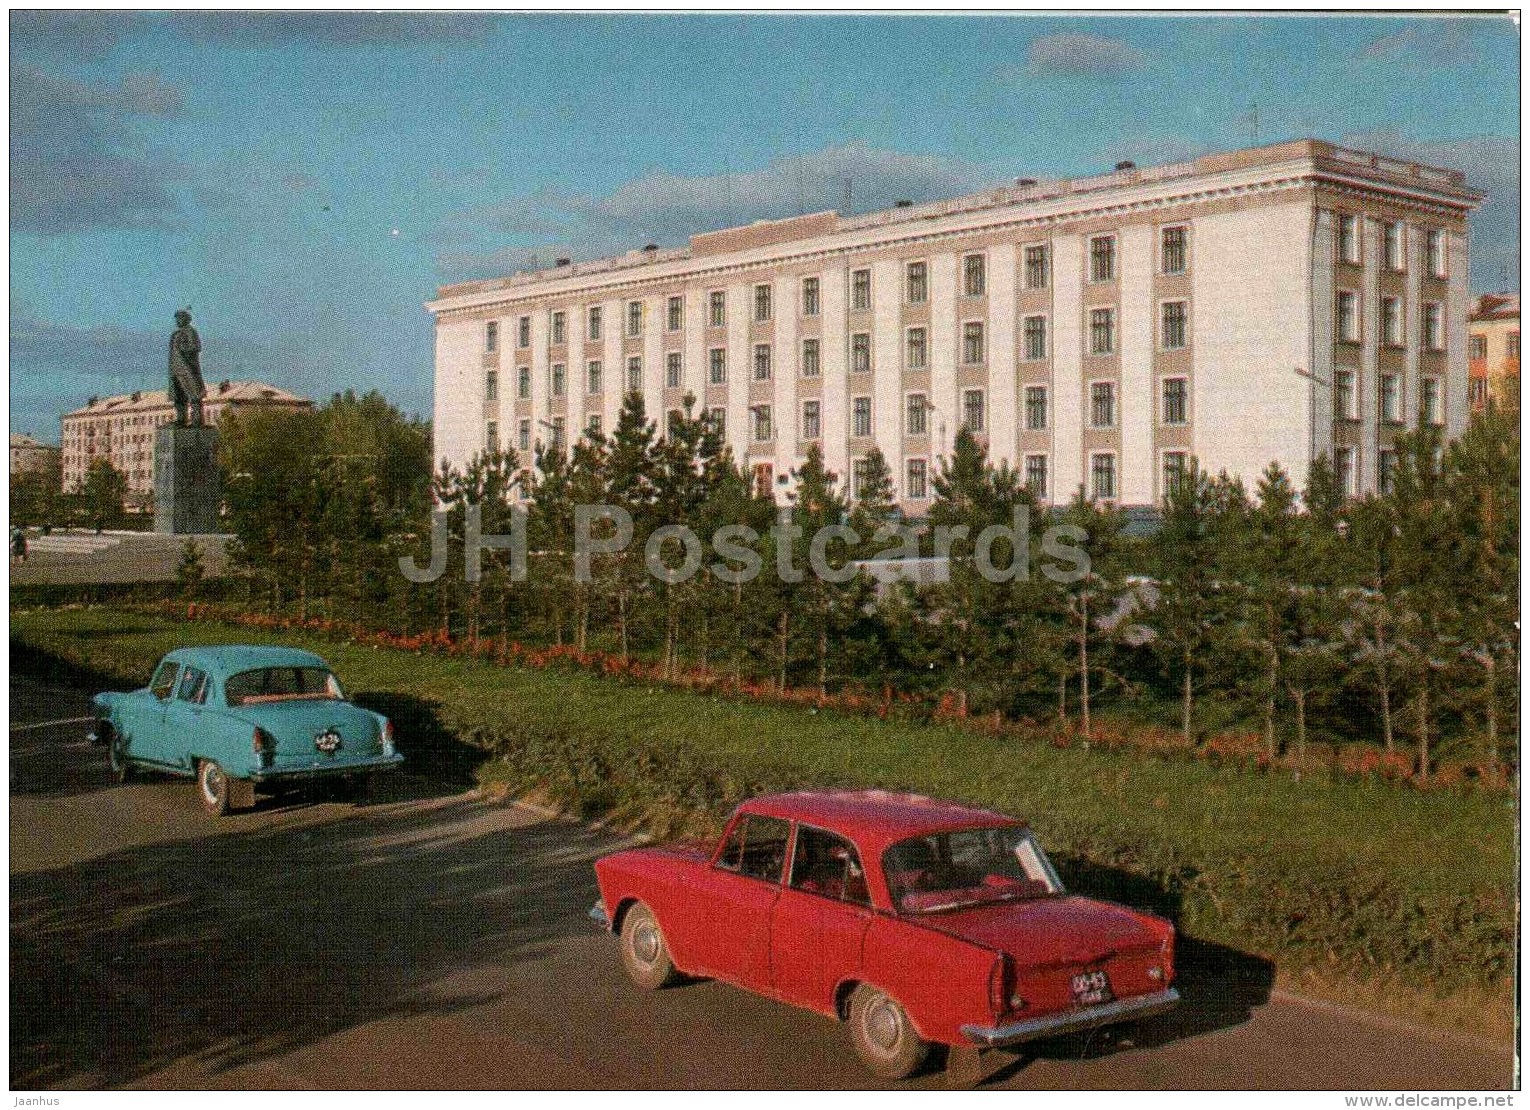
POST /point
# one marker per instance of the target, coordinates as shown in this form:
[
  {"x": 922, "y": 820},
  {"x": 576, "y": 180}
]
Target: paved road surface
[
  {"x": 83, "y": 557},
  {"x": 432, "y": 940}
]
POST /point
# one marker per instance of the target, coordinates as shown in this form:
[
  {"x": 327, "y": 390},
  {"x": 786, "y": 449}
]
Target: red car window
[
  {"x": 827, "y": 864},
  {"x": 756, "y": 846}
]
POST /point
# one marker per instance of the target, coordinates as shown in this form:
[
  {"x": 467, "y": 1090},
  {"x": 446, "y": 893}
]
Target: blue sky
[{"x": 305, "y": 181}]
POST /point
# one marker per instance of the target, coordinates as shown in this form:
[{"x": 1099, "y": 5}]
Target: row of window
[
  {"x": 1394, "y": 246},
  {"x": 1478, "y": 347},
  {"x": 1393, "y": 328},
  {"x": 1037, "y": 271},
  {"x": 1389, "y": 400}
]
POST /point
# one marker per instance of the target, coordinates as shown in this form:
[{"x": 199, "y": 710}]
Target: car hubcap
[
  {"x": 212, "y": 783},
  {"x": 882, "y": 1025},
  {"x": 645, "y": 942}
]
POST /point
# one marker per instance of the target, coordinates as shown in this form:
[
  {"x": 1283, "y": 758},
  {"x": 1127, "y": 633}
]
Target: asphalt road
[{"x": 428, "y": 939}]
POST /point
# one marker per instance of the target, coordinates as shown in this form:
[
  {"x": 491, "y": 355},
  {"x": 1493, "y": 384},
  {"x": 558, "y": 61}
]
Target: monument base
[{"x": 186, "y": 486}]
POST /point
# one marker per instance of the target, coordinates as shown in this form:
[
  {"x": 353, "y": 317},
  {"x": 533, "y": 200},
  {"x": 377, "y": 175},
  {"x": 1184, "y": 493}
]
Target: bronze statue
[{"x": 186, "y": 386}]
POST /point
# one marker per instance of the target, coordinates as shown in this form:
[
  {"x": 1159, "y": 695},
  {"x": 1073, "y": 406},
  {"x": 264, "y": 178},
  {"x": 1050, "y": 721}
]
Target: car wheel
[
  {"x": 883, "y": 1036},
  {"x": 212, "y": 787},
  {"x": 117, "y": 752},
  {"x": 644, "y": 952}
]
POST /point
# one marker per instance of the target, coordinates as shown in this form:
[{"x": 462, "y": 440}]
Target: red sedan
[{"x": 916, "y": 921}]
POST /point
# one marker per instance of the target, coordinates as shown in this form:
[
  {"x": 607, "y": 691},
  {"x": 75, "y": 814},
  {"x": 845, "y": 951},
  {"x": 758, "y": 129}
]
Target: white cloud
[{"x": 1070, "y": 54}]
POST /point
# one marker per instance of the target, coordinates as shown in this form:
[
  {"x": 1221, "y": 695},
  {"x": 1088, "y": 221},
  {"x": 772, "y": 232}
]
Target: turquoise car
[{"x": 236, "y": 717}]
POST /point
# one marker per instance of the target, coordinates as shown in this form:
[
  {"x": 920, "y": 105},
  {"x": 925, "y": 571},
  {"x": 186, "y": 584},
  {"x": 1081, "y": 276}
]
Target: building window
[
  {"x": 523, "y": 436},
  {"x": 491, "y": 386},
  {"x": 559, "y": 379},
  {"x": 860, "y": 353},
  {"x": 1173, "y": 315},
  {"x": 918, "y": 283},
  {"x": 1102, "y": 258},
  {"x": 635, "y": 374},
  {"x": 491, "y": 336},
  {"x": 1344, "y": 469},
  {"x": 1035, "y": 408},
  {"x": 717, "y": 309},
  {"x": 717, "y": 416},
  {"x": 1171, "y": 250},
  {"x": 557, "y": 433},
  {"x": 860, "y": 424},
  {"x": 1349, "y": 238},
  {"x": 1389, "y": 399},
  {"x": 762, "y": 306},
  {"x": 1434, "y": 253},
  {"x": 1102, "y": 477},
  {"x": 1102, "y": 331},
  {"x": 1386, "y": 470},
  {"x": 1175, "y": 469},
  {"x": 717, "y": 366},
  {"x": 592, "y": 425},
  {"x": 762, "y": 362},
  {"x": 1037, "y": 267},
  {"x": 1429, "y": 400},
  {"x": 1036, "y": 475},
  {"x": 810, "y": 296},
  {"x": 972, "y": 342},
  {"x": 1347, "y": 320},
  {"x": 491, "y": 438},
  {"x": 593, "y": 323},
  {"x": 592, "y": 371},
  {"x": 811, "y": 366},
  {"x": 763, "y": 432},
  {"x": 1512, "y": 347},
  {"x": 860, "y": 291},
  {"x": 860, "y": 476},
  {"x": 917, "y": 416},
  {"x": 559, "y": 328},
  {"x": 523, "y": 332},
  {"x": 1344, "y": 395},
  {"x": 1035, "y": 335},
  {"x": 523, "y": 382},
  {"x": 916, "y": 349},
  {"x": 1102, "y": 404},
  {"x": 1434, "y": 331},
  {"x": 1477, "y": 347},
  {"x": 674, "y": 314},
  {"x": 916, "y": 486},
  {"x": 674, "y": 370},
  {"x": 974, "y": 275},
  {"x": 972, "y": 409},
  {"x": 812, "y": 426},
  {"x": 1176, "y": 401},
  {"x": 634, "y": 318},
  {"x": 1391, "y": 321},
  {"x": 1392, "y": 245}
]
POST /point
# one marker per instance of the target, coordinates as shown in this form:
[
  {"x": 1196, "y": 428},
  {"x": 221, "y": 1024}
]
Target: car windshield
[
  {"x": 282, "y": 684},
  {"x": 967, "y": 867}
]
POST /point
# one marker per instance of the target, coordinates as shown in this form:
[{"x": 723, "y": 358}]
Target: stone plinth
[{"x": 186, "y": 486}]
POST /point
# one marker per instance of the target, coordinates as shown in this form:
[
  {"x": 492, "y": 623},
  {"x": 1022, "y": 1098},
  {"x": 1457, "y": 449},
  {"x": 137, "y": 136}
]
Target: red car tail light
[{"x": 264, "y": 744}]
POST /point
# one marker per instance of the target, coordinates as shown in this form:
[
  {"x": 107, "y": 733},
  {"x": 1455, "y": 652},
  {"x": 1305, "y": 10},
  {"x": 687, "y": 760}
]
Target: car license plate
[{"x": 1091, "y": 988}]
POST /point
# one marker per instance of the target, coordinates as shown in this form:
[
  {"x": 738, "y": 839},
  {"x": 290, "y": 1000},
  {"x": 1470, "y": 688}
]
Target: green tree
[
  {"x": 102, "y": 493},
  {"x": 189, "y": 570}
]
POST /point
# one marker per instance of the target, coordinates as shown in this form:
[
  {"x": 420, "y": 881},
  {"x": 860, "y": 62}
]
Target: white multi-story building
[{"x": 1265, "y": 305}]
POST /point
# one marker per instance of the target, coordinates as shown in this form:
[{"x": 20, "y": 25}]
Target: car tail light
[
  {"x": 1168, "y": 956},
  {"x": 1001, "y": 982},
  {"x": 387, "y": 738},
  {"x": 264, "y": 744}
]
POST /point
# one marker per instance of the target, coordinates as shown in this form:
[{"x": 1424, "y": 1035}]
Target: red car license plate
[{"x": 1091, "y": 988}]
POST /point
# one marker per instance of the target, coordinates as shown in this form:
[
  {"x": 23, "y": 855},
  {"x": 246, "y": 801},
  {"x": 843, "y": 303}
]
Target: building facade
[
  {"x": 121, "y": 428},
  {"x": 1493, "y": 351},
  {"x": 1266, "y": 305},
  {"x": 30, "y": 456}
]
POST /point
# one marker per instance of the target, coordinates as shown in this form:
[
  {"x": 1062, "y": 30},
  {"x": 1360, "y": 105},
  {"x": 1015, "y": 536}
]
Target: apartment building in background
[
  {"x": 1493, "y": 350},
  {"x": 1265, "y": 305},
  {"x": 121, "y": 429}
]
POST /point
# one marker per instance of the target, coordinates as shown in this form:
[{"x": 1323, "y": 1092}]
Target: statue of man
[{"x": 186, "y": 387}]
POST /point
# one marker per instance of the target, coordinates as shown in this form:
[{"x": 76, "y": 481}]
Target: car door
[
  {"x": 734, "y": 907},
  {"x": 820, "y": 921},
  {"x": 182, "y": 727},
  {"x": 145, "y": 714}
]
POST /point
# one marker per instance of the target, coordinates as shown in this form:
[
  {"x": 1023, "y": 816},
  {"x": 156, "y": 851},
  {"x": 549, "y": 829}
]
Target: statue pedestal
[{"x": 186, "y": 486}]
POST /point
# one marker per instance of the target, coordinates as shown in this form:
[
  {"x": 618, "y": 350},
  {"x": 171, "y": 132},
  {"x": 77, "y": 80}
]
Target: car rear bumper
[
  {"x": 327, "y": 770},
  {"x": 1073, "y": 1021}
]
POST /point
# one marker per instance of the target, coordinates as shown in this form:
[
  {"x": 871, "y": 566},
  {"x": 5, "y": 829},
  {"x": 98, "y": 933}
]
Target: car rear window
[{"x": 281, "y": 684}]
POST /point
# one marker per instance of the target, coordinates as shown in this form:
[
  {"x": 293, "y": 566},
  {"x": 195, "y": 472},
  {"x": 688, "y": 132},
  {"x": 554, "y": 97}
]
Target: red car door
[
  {"x": 820, "y": 921},
  {"x": 733, "y": 910}
]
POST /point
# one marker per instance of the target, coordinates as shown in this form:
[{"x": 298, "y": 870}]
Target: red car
[{"x": 916, "y": 921}]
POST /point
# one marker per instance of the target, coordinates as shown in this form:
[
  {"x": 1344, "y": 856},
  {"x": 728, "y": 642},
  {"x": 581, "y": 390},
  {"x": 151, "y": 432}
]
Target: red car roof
[{"x": 873, "y": 819}]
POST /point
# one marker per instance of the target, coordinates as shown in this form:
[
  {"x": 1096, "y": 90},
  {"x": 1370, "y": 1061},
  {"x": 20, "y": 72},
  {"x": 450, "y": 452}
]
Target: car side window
[
  {"x": 163, "y": 683},
  {"x": 827, "y": 864},
  {"x": 193, "y": 686},
  {"x": 756, "y": 846}
]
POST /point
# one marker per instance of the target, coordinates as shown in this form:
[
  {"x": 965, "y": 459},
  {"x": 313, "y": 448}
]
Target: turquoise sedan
[{"x": 236, "y": 717}]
